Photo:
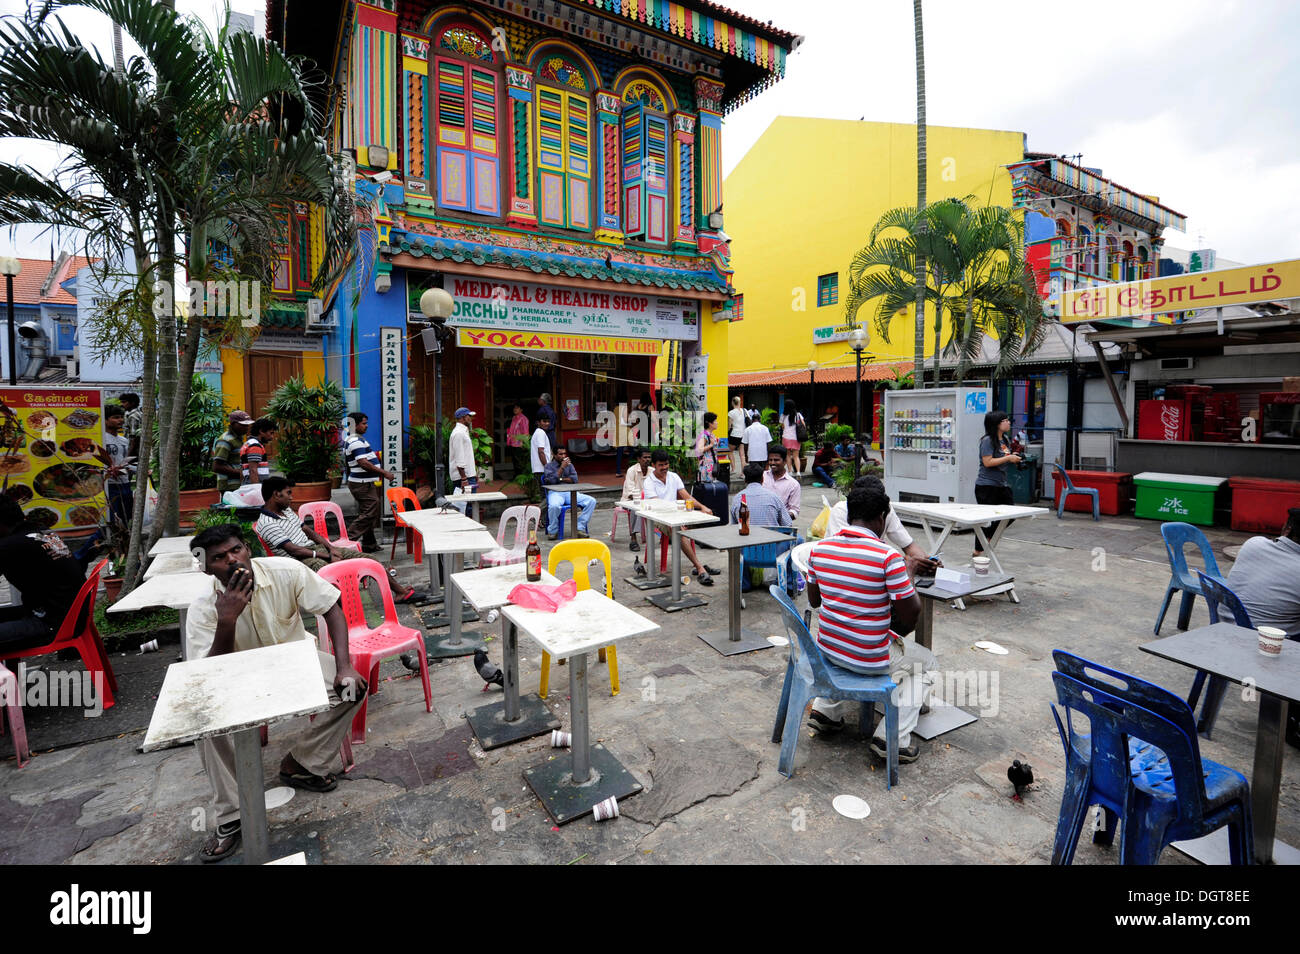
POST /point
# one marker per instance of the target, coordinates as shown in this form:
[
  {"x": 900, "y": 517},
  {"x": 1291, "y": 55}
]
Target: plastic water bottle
[{"x": 492, "y": 616}]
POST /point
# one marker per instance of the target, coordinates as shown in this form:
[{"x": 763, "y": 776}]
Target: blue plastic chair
[
  {"x": 1069, "y": 489},
  {"x": 1167, "y": 793},
  {"x": 767, "y": 556},
  {"x": 1176, "y": 537},
  {"x": 1216, "y": 593},
  {"x": 808, "y": 675}
]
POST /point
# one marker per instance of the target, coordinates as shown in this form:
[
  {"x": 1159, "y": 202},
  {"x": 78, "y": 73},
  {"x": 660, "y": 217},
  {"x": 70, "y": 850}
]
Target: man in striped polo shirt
[
  {"x": 363, "y": 471},
  {"x": 866, "y": 604}
]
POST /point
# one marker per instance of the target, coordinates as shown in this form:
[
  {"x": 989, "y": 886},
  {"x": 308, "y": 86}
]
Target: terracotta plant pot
[
  {"x": 192, "y": 501},
  {"x": 336, "y": 481},
  {"x": 112, "y": 587},
  {"x": 307, "y": 491}
]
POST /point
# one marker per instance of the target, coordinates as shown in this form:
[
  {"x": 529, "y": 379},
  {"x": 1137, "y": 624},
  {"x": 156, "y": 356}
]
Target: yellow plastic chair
[{"x": 580, "y": 553}]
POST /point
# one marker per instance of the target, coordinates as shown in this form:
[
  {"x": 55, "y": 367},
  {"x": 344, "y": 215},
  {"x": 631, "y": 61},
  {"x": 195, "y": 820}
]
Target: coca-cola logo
[{"x": 1171, "y": 418}]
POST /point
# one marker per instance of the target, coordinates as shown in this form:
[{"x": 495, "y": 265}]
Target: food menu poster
[{"x": 47, "y": 461}]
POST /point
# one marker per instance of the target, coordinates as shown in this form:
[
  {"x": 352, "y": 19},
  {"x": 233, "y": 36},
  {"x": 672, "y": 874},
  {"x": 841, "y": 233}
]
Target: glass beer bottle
[
  {"x": 742, "y": 515},
  {"x": 533, "y": 559}
]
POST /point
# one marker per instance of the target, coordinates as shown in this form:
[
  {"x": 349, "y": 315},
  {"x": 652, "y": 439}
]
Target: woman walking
[
  {"x": 992, "y": 486},
  {"x": 736, "y": 423},
  {"x": 791, "y": 424}
]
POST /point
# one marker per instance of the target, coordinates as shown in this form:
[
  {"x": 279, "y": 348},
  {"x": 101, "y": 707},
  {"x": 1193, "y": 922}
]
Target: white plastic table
[
  {"x": 171, "y": 545},
  {"x": 236, "y": 694},
  {"x": 176, "y": 561},
  {"x": 455, "y": 543},
  {"x": 475, "y": 499},
  {"x": 512, "y": 719},
  {"x": 425, "y": 522},
  {"x": 586, "y": 623},
  {"x": 674, "y": 520},
  {"x": 173, "y": 590},
  {"x": 948, "y": 517},
  {"x": 734, "y": 639}
]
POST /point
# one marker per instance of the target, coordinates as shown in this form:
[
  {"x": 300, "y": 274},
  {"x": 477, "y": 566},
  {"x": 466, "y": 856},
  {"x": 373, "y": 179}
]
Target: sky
[{"x": 1188, "y": 100}]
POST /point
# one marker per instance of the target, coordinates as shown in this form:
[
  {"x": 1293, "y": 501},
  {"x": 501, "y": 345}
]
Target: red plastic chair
[
  {"x": 369, "y": 647},
  {"x": 78, "y": 632},
  {"x": 11, "y": 699},
  {"x": 318, "y": 510},
  {"x": 400, "y": 501}
]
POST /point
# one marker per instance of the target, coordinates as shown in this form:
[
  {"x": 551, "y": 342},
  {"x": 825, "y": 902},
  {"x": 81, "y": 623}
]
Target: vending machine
[{"x": 931, "y": 443}]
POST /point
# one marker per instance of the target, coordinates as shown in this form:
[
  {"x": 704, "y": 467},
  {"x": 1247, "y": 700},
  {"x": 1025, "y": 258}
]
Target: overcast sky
[{"x": 1189, "y": 100}]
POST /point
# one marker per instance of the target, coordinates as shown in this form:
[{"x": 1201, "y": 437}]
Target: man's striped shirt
[
  {"x": 358, "y": 448},
  {"x": 277, "y": 531},
  {"x": 857, "y": 576}
]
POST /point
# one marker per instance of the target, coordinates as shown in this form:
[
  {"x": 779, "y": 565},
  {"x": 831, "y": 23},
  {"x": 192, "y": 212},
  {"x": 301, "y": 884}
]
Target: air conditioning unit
[
  {"x": 1177, "y": 364},
  {"x": 74, "y": 368},
  {"x": 317, "y": 323}
]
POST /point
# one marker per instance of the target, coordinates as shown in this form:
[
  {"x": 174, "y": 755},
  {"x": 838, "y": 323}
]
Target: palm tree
[
  {"x": 918, "y": 358},
  {"x": 975, "y": 274},
  {"x": 178, "y": 141}
]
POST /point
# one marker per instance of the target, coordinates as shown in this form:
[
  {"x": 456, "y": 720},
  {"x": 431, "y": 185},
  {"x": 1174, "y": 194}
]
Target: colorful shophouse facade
[{"x": 556, "y": 167}]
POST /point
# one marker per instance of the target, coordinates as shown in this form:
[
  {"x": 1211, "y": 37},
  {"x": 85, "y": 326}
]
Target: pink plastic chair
[
  {"x": 11, "y": 700},
  {"x": 369, "y": 647},
  {"x": 317, "y": 510},
  {"x": 526, "y": 519}
]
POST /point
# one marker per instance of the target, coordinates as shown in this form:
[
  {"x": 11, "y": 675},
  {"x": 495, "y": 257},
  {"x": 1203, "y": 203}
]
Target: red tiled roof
[
  {"x": 877, "y": 371},
  {"x": 35, "y": 271}
]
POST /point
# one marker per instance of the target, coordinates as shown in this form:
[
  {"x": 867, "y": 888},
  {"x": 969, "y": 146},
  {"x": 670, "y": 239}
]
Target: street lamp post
[
  {"x": 437, "y": 305},
  {"x": 10, "y": 267},
  {"x": 812, "y": 398},
  {"x": 857, "y": 341}
]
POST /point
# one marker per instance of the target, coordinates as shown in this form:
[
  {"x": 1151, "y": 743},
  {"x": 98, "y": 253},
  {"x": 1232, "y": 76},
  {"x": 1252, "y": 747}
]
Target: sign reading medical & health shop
[
  {"x": 619, "y": 313},
  {"x": 1230, "y": 286}
]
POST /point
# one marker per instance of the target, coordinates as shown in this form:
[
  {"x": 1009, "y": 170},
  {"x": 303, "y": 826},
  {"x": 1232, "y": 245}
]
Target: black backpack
[{"x": 800, "y": 429}]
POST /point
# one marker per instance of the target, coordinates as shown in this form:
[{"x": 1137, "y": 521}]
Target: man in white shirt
[
  {"x": 633, "y": 485},
  {"x": 914, "y": 554},
  {"x": 539, "y": 448},
  {"x": 663, "y": 484},
  {"x": 255, "y": 603},
  {"x": 756, "y": 437},
  {"x": 736, "y": 432},
  {"x": 460, "y": 456}
]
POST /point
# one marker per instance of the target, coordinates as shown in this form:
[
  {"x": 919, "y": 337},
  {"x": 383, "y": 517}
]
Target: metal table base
[
  {"x": 734, "y": 639},
  {"x": 252, "y": 797},
  {"x": 675, "y": 601},
  {"x": 454, "y": 642},
  {"x": 513, "y": 718}
]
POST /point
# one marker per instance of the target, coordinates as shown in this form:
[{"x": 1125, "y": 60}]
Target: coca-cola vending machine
[{"x": 1164, "y": 421}]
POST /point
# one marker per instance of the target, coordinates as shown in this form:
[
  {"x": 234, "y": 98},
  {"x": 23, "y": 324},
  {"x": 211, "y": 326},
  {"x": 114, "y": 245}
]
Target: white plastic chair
[{"x": 526, "y": 519}]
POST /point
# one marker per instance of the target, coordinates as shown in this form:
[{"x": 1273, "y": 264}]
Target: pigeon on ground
[
  {"x": 1021, "y": 776},
  {"x": 490, "y": 672}
]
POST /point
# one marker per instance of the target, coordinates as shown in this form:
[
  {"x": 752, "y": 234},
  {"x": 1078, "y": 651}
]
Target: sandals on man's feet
[
  {"x": 310, "y": 783},
  {"x": 220, "y": 845}
]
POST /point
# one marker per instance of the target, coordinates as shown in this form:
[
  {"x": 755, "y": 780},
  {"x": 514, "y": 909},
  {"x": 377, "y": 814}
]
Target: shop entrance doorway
[{"x": 508, "y": 389}]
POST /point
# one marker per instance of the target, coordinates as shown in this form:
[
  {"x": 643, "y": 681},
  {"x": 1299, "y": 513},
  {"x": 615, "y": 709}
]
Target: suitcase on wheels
[{"x": 713, "y": 494}]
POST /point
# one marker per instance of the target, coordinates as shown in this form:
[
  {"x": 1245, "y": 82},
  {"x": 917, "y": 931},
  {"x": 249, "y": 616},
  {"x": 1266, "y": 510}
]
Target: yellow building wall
[
  {"x": 232, "y": 378},
  {"x": 804, "y": 199},
  {"x": 313, "y": 369},
  {"x": 715, "y": 342}
]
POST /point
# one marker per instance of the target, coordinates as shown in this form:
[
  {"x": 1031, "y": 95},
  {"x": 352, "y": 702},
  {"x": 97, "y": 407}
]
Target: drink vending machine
[{"x": 931, "y": 443}]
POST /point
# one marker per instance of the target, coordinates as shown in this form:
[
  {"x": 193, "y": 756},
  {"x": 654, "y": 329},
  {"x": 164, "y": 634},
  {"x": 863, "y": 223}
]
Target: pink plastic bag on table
[{"x": 539, "y": 596}]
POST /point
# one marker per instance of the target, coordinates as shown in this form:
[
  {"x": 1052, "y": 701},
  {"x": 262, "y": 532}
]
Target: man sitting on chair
[
  {"x": 255, "y": 603},
  {"x": 866, "y": 606},
  {"x": 663, "y": 484},
  {"x": 634, "y": 489},
  {"x": 561, "y": 471},
  {"x": 39, "y": 566},
  {"x": 284, "y": 533}
]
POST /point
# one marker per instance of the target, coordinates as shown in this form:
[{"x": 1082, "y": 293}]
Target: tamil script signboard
[
  {"x": 522, "y": 306},
  {"x": 1230, "y": 286}
]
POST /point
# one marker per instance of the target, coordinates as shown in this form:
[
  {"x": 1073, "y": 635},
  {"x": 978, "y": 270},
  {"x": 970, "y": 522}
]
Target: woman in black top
[{"x": 992, "y": 486}]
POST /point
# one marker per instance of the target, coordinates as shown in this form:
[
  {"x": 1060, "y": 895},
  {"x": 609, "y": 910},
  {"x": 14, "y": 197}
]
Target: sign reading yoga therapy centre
[{"x": 521, "y": 306}]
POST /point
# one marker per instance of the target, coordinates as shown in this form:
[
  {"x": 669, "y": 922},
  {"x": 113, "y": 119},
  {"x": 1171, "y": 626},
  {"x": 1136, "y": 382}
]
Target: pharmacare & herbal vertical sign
[{"x": 391, "y": 375}]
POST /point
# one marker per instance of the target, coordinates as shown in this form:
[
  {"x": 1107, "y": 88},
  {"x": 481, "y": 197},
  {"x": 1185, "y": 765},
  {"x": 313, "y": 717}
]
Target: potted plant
[
  {"x": 205, "y": 421},
  {"x": 308, "y": 443},
  {"x": 423, "y": 441},
  {"x": 482, "y": 441}
]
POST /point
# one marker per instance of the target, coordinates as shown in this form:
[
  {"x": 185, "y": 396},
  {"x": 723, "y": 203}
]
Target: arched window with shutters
[
  {"x": 1128, "y": 269},
  {"x": 1065, "y": 238},
  {"x": 1112, "y": 258},
  {"x": 467, "y": 129},
  {"x": 1144, "y": 262},
  {"x": 647, "y": 162},
  {"x": 564, "y": 139},
  {"x": 1089, "y": 251}
]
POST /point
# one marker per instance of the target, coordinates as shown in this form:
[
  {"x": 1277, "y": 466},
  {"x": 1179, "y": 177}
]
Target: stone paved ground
[{"x": 695, "y": 728}]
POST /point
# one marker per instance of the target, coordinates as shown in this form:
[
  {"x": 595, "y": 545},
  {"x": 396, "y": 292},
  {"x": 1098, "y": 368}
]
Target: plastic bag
[
  {"x": 150, "y": 504},
  {"x": 539, "y": 596},
  {"x": 823, "y": 521},
  {"x": 249, "y": 495}
]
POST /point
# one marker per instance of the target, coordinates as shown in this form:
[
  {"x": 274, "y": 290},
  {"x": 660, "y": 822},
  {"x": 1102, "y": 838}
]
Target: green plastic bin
[
  {"x": 1023, "y": 480},
  {"x": 1186, "y": 498}
]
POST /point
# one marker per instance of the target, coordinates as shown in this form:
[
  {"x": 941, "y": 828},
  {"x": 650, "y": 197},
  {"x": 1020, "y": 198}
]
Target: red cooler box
[
  {"x": 1115, "y": 491},
  {"x": 1259, "y": 504}
]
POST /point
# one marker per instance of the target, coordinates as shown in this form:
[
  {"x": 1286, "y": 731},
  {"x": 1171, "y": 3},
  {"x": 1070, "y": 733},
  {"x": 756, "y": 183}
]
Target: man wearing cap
[
  {"x": 225, "y": 452},
  {"x": 460, "y": 455}
]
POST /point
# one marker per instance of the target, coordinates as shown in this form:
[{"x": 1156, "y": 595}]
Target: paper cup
[
  {"x": 1270, "y": 641},
  {"x": 603, "y": 811},
  {"x": 560, "y": 739},
  {"x": 981, "y": 565}
]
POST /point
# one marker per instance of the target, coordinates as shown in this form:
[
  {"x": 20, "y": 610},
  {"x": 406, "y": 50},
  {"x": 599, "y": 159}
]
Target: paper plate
[
  {"x": 280, "y": 795},
  {"x": 778, "y": 641},
  {"x": 991, "y": 647},
  {"x": 850, "y": 806}
]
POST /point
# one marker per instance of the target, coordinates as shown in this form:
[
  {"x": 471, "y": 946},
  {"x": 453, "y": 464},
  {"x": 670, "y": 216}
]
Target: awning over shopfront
[{"x": 877, "y": 371}]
